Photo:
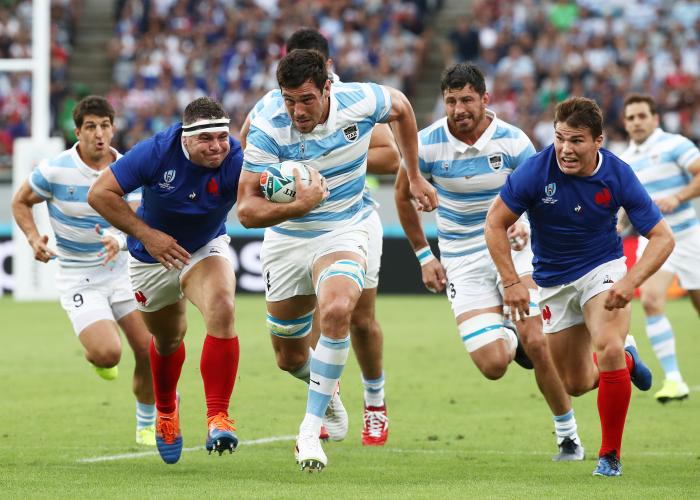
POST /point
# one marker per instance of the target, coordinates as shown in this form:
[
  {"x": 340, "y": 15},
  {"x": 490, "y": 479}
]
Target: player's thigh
[
  {"x": 101, "y": 341},
  {"x": 653, "y": 290},
  {"x": 286, "y": 266},
  {"x": 683, "y": 261},
  {"x": 210, "y": 284},
  {"x": 471, "y": 284},
  {"x": 135, "y": 331},
  {"x": 365, "y": 309},
  {"x": 375, "y": 239},
  {"x": 154, "y": 286},
  {"x": 570, "y": 350},
  {"x": 85, "y": 306},
  {"x": 169, "y": 324},
  {"x": 608, "y": 330}
]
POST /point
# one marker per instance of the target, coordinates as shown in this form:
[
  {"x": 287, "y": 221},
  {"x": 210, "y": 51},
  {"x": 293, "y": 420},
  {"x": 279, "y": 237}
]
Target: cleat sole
[
  {"x": 312, "y": 465},
  {"x": 668, "y": 399}
]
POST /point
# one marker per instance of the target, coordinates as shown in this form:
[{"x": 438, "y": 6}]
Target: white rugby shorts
[
  {"x": 90, "y": 294},
  {"x": 155, "y": 287},
  {"x": 374, "y": 254},
  {"x": 287, "y": 261},
  {"x": 562, "y": 306},
  {"x": 683, "y": 261},
  {"x": 473, "y": 281}
]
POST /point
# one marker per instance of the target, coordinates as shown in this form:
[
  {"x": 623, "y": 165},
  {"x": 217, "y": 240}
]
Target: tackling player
[{"x": 179, "y": 250}]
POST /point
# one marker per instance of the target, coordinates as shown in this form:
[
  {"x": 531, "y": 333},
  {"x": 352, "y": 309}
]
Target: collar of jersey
[
  {"x": 83, "y": 168},
  {"x": 644, "y": 147},
  {"x": 480, "y": 144}
]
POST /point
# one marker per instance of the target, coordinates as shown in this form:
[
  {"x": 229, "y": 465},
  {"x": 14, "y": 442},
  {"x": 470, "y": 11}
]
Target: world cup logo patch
[{"x": 550, "y": 189}]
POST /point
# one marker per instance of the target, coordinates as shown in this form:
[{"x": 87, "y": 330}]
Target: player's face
[
  {"x": 465, "y": 109},
  {"x": 307, "y": 105},
  {"x": 576, "y": 149},
  {"x": 639, "y": 121},
  {"x": 208, "y": 149},
  {"x": 94, "y": 137}
]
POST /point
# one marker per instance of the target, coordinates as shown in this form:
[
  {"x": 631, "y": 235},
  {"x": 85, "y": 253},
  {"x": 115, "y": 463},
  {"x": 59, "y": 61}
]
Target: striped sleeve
[
  {"x": 261, "y": 150},
  {"x": 523, "y": 150},
  {"x": 685, "y": 153},
  {"x": 39, "y": 181},
  {"x": 382, "y": 108}
]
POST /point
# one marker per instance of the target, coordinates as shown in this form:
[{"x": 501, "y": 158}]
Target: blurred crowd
[
  {"x": 168, "y": 52},
  {"x": 536, "y": 53}
]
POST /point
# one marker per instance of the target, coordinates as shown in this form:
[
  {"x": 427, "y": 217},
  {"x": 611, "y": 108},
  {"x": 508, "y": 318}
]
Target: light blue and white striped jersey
[
  {"x": 661, "y": 164},
  {"x": 336, "y": 148},
  {"x": 468, "y": 178},
  {"x": 64, "y": 181}
]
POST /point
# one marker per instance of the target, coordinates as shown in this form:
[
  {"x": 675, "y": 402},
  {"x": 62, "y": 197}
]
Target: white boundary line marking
[
  {"x": 274, "y": 439},
  {"x": 140, "y": 454}
]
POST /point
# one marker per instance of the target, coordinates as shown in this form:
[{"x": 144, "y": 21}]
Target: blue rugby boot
[
  {"x": 608, "y": 465},
  {"x": 221, "y": 435},
  {"x": 168, "y": 435},
  {"x": 641, "y": 374}
]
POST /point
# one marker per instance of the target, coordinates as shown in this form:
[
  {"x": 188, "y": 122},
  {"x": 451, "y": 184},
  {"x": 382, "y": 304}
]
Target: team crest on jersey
[
  {"x": 445, "y": 165},
  {"x": 351, "y": 133},
  {"x": 496, "y": 161},
  {"x": 549, "y": 190},
  {"x": 168, "y": 177},
  {"x": 71, "y": 192}
]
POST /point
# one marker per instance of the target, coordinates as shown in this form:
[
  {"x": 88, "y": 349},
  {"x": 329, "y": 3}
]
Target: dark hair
[
  {"x": 92, "y": 105},
  {"x": 308, "y": 38},
  {"x": 635, "y": 98},
  {"x": 580, "y": 112},
  {"x": 202, "y": 108},
  {"x": 461, "y": 74},
  {"x": 301, "y": 65}
]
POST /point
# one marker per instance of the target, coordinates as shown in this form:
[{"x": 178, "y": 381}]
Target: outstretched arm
[
  {"x": 515, "y": 295},
  {"x": 22, "y": 203},
  {"x": 106, "y": 197},
  {"x": 407, "y": 139}
]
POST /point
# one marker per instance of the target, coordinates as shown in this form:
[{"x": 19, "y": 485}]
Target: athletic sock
[
  {"x": 303, "y": 372},
  {"x": 145, "y": 415},
  {"x": 614, "y": 391},
  {"x": 374, "y": 391},
  {"x": 663, "y": 342},
  {"x": 166, "y": 372},
  {"x": 327, "y": 365},
  {"x": 565, "y": 427},
  {"x": 219, "y": 365}
]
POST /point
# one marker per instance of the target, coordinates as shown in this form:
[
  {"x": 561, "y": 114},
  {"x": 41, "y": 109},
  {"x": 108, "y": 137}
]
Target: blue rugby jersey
[
  {"x": 468, "y": 178},
  {"x": 187, "y": 201},
  {"x": 64, "y": 181},
  {"x": 573, "y": 219},
  {"x": 336, "y": 148},
  {"x": 661, "y": 163}
]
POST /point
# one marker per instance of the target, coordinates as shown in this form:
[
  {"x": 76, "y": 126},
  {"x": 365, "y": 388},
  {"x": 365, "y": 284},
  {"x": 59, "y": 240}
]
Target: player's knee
[
  {"x": 362, "y": 325},
  {"x": 290, "y": 361},
  {"x": 575, "y": 386},
  {"x": 610, "y": 352},
  {"x": 105, "y": 356},
  {"x": 220, "y": 312},
  {"x": 493, "y": 369},
  {"x": 652, "y": 303},
  {"x": 535, "y": 345},
  {"x": 336, "y": 311}
]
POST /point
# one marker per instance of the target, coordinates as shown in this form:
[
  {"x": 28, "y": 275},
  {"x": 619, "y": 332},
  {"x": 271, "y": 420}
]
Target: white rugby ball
[{"x": 278, "y": 184}]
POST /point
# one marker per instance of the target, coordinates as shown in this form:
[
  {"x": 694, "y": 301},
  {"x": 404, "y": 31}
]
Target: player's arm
[
  {"x": 245, "y": 128},
  {"x": 22, "y": 202},
  {"x": 658, "y": 249},
  {"x": 690, "y": 191},
  {"x": 407, "y": 139},
  {"x": 383, "y": 156},
  {"x": 107, "y": 198},
  {"x": 498, "y": 219},
  {"x": 254, "y": 210},
  {"x": 431, "y": 269}
]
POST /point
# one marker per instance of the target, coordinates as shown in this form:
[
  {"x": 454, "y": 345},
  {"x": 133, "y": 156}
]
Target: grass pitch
[{"x": 65, "y": 433}]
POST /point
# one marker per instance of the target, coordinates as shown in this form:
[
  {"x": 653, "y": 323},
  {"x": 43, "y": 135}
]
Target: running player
[
  {"x": 572, "y": 191},
  {"x": 668, "y": 166},
  {"x": 311, "y": 247},
  {"x": 92, "y": 278},
  {"x": 365, "y": 332},
  {"x": 179, "y": 249}
]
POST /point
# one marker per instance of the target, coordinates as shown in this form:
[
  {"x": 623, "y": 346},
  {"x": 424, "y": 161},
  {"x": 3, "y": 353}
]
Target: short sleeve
[
  {"x": 137, "y": 167},
  {"x": 260, "y": 151},
  {"x": 39, "y": 181},
  {"x": 517, "y": 192},
  {"x": 641, "y": 210}
]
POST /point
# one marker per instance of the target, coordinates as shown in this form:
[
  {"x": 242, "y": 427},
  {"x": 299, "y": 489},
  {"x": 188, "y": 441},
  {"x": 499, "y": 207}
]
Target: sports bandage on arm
[
  {"x": 118, "y": 236},
  {"x": 424, "y": 255}
]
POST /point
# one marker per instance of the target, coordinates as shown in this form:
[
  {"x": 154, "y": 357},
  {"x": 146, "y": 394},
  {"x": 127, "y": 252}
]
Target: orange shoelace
[
  {"x": 168, "y": 427},
  {"x": 222, "y": 422}
]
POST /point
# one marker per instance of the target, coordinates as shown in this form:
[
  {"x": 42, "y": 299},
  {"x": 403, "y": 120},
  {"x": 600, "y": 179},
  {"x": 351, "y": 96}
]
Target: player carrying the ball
[{"x": 315, "y": 247}]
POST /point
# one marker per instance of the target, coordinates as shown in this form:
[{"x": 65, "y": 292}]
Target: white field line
[
  {"x": 140, "y": 454},
  {"x": 273, "y": 439},
  {"x": 695, "y": 388}
]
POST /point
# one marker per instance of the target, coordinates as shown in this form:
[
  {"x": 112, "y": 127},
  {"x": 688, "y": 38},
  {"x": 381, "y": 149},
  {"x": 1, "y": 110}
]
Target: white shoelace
[{"x": 375, "y": 422}]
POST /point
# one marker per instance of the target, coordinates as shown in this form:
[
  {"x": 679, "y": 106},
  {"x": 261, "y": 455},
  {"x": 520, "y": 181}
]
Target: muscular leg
[
  {"x": 292, "y": 354},
  {"x": 658, "y": 328},
  {"x": 366, "y": 335},
  {"x": 210, "y": 285},
  {"x": 570, "y": 351},
  {"x": 139, "y": 338},
  {"x": 493, "y": 358},
  {"x": 101, "y": 343}
]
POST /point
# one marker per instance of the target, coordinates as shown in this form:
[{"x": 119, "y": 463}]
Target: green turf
[{"x": 453, "y": 434}]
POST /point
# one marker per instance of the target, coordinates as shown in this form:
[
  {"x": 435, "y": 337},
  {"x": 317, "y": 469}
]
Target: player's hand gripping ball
[{"x": 277, "y": 182}]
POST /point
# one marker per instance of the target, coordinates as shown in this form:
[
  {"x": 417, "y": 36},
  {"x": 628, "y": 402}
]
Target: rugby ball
[{"x": 277, "y": 182}]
